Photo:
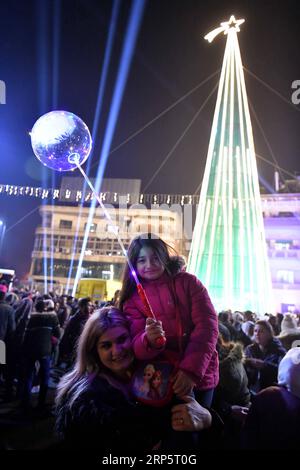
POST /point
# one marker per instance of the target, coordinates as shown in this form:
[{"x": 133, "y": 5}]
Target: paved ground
[{"x": 32, "y": 430}]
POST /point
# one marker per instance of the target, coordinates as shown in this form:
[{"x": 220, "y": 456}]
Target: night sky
[{"x": 171, "y": 58}]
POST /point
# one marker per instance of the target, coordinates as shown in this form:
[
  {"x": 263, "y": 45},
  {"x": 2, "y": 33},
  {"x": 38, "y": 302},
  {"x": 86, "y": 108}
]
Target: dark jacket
[
  {"x": 230, "y": 328},
  {"x": 241, "y": 337},
  {"x": 233, "y": 385},
  {"x": 198, "y": 319},
  {"x": 273, "y": 422},
  {"x": 7, "y": 321},
  {"x": 73, "y": 329},
  {"x": 102, "y": 418},
  {"x": 63, "y": 314},
  {"x": 271, "y": 356},
  {"x": 22, "y": 314},
  {"x": 37, "y": 338}
]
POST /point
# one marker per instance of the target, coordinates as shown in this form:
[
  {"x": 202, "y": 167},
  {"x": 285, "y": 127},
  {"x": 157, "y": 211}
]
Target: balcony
[{"x": 286, "y": 286}]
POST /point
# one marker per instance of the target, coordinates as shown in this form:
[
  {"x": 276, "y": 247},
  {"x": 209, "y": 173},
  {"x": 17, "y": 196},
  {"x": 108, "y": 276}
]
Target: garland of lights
[
  {"x": 270, "y": 201},
  {"x": 71, "y": 195}
]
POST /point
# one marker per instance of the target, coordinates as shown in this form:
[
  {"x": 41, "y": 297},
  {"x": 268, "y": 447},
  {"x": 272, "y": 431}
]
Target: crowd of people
[
  {"x": 229, "y": 381},
  {"x": 40, "y": 332}
]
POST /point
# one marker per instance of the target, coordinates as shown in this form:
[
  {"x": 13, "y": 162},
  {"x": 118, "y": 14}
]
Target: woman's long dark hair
[
  {"x": 172, "y": 264},
  {"x": 88, "y": 363}
]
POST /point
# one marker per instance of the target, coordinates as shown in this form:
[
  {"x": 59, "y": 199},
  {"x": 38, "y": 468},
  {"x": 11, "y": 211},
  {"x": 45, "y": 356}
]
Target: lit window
[
  {"x": 65, "y": 224},
  {"x": 93, "y": 227},
  {"x": 286, "y": 277},
  {"x": 282, "y": 244}
]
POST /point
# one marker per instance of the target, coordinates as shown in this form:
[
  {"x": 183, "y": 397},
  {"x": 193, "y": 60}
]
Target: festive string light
[
  {"x": 69, "y": 194},
  {"x": 75, "y": 196}
]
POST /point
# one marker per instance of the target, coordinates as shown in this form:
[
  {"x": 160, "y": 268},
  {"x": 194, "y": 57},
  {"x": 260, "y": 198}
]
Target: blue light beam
[
  {"x": 56, "y": 24},
  {"x": 99, "y": 104},
  {"x": 135, "y": 19},
  {"x": 43, "y": 85}
]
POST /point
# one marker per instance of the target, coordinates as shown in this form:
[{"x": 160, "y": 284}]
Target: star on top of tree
[{"x": 225, "y": 27}]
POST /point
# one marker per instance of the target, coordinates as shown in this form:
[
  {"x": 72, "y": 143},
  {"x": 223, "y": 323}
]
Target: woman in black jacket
[
  {"x": 273, "y": 422},
  {"x": 95, "y": 408},
  {"x": 37, "y": 347}
]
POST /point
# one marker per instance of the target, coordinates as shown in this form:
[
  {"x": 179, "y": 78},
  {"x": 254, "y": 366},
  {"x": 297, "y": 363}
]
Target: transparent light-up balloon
[{"x": 60, "y": 139}]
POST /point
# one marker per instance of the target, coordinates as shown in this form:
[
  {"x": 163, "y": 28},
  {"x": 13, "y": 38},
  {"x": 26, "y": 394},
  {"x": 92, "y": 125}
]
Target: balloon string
[{"x": 115, "y": 229}]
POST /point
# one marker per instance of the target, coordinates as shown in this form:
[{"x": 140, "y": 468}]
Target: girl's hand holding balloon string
[{"x": 154, "y": 332}]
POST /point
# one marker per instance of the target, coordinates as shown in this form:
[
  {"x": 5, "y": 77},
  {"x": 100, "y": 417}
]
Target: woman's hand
[
  {"x": 182, "y": 384},
  {"x": 239, "y": 413},
  {"x": 154, "y": 330},
  {"x": 190, "y": 416},
  {"x": 255, "y": 363}
]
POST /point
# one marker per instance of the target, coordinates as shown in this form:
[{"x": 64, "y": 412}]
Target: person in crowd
[
  {"x": 7, "y": 328},
  {"x": 273, "y": 422},
  {"x": 224, "y": 332},
  {"x": 273, "y": 322},
  {"x": 37, "y": 347},
  {"x": 232, "y": 389},
  {"x": 50, "y": 308},
  {"x": 7, "y": 316},
  {"x": 263, "y": 357},
  {"x": 22, "y": 313},
  {"x": 289, "y": 332},
  {"x": 73, "y": 329},
  {"x": 64, "y": 311},
  {"x": 73, "y": 304},
  {"x": 114, "y": 302},
  {"x": 249, "y": 316},
  {"x": 185, "y": 317},
  {"x": 224, "y": 319},
  {"x": 279, "y": 318},
  {"x": 56, "y": 305},
  {"x": 240, "y": 335},
  {"x": 12, "y": 299},
  {"x": 232, "y": 395},
  {"x": 94, "y": 406},
  {"x": 248, "y": 330}
]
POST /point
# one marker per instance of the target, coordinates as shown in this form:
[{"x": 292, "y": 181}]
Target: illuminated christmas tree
[{"x": 228, "y": 251}]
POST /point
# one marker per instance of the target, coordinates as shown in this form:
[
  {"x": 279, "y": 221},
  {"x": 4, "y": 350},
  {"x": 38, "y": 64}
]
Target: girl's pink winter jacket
[{"x": 199, "y": 322}]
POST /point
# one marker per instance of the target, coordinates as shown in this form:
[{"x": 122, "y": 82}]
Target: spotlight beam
[
  {"x": 126, "y": 58},
  {"x": 99, "y": 104},
  {"x": 55, "y": 87},
  {"x": 43, "y": 90}
]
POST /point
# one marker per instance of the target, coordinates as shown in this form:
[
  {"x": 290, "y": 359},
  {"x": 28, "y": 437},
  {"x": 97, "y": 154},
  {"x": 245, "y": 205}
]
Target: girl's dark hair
[{"x": 172, "y": 264}]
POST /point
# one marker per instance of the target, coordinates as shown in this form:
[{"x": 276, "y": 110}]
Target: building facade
[
  {"x": 58, "y": 241},
  {"x": 282, "y": 228},
  {"x": 103, "y": 257}
]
